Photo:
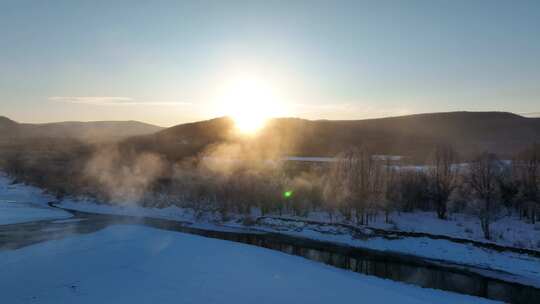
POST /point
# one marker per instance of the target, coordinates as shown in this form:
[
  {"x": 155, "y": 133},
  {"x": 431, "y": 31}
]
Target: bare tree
[
  {"x": 483, "y": 177},
  {"x": 14, "y": 164},
  {"x": 341, "y": 184},
  {"x": 357, "y": 183},
  {"x": 443, "y": 174},
  {"x": 390, "y": 196},
  {"x": 508, "y": 187},
  {"x": 413, "y": 190},
  {"x": 528, "y": 167}
]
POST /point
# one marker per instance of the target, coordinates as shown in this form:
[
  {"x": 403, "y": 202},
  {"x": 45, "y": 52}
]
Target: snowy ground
[
  {"x": 135, "y": 264},
  {"x": 508, "y": 230},
  {"x": 12, "y": 213},
  {"x": 509, "y": 266},
  {"x": 20, "y": 203}
]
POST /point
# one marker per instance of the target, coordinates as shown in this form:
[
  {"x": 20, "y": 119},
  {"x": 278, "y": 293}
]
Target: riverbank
[
  {"x": 21, "y": 203},
  {"x": 507, "y": 266}
]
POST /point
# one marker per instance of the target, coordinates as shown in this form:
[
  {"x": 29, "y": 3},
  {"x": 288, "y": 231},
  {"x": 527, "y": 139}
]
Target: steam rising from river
[
  {"x": 128, "y": 176},
  {"x": 124, "y": 180}
]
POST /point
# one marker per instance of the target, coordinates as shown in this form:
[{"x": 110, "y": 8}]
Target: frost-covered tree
[{"x": 357, "y": 183}]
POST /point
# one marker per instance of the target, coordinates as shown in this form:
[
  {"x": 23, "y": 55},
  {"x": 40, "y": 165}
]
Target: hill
[
  {"x": 412, "y": 135},
  {"x": 183, "y": 140},
  {"x": 9, "y": 129},
  {"x": 86, "y": 131}
]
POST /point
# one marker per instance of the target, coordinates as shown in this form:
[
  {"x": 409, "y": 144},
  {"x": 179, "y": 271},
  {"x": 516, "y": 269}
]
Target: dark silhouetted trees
[{"x": 443, "y": 173}]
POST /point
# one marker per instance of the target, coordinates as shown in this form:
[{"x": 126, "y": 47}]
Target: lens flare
[{"x": 288, "y": 194}]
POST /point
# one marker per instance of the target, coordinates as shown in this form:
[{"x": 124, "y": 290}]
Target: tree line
[
  {"x": 356, "y": 188},
  {"x": 359, "y": 187}
]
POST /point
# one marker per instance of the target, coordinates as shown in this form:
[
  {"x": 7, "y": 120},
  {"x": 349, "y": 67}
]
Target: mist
[{"x": 124, "y": 179}]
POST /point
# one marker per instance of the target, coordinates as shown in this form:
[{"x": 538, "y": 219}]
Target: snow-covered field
[
  {"x": 135, "y": 264},
  {"x": 20, "y": 203}
]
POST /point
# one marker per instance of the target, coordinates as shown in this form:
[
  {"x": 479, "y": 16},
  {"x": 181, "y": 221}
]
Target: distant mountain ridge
[
  {"x": 96, "y": 130},
  {"x": 412, "y": 135}
]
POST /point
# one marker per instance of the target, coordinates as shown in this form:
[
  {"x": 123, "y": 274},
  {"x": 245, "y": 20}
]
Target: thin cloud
[{"x": 112, "y": 101}]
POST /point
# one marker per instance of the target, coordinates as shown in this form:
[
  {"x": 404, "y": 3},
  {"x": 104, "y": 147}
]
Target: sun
[{"x": 250, "y": 102}]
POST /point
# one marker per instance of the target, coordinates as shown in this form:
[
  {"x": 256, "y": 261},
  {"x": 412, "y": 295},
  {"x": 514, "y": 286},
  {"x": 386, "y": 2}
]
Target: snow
[
  {"x": 20, "y": 203},
  {"x": 509, "y": 266},
  {"x": 173, "y": 213},
  {"x": 136, "y": 264},
  {"x": 74, "y": 220},
  {"x": 12, "y": 213},
  {"x": 21, "y": 193},
  {"x": 508, "y": 230},
  {"x": 168, "y": 213}
]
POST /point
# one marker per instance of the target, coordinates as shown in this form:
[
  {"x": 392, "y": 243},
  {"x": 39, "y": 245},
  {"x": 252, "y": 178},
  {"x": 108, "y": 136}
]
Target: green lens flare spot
[{"x": 287, "y": 194}]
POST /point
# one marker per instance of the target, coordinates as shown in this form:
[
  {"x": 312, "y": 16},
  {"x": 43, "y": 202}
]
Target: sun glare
[{"x": 250, "y": 102}]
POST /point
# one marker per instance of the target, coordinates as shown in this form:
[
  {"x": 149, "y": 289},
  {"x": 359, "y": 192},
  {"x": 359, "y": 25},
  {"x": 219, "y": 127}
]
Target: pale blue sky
[{"x": 161, "y": 61}]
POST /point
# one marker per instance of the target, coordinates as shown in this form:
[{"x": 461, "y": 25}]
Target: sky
[{"x": 170, "y": 62}]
